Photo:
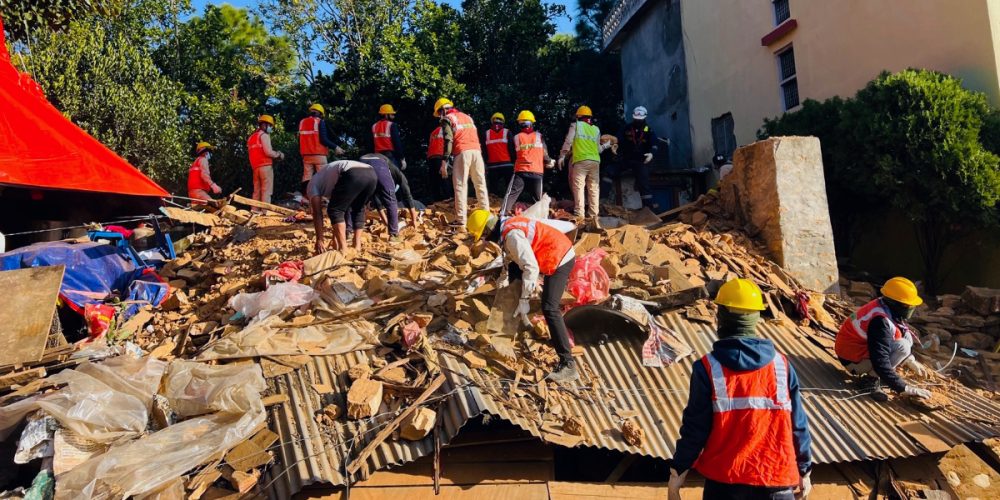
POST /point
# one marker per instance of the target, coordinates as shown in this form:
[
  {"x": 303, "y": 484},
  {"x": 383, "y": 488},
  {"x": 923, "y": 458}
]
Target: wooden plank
[
  {"x": 563, "y": 491},
  {"x": 420, "y": 473},
  {"x": 21, "y": 377},
  {"x": 191, "y": 216},
  {"x": 260, "y": 204},
  {"x": 29, "y": 303},
  {"x": 923, "y": 435}
]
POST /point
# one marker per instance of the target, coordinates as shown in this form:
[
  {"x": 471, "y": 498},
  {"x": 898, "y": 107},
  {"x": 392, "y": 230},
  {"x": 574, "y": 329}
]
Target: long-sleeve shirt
[
  {"x": 635, "y": 142},
  {"x": 205, "y": 174},
  {"x": 449, "y": 136},
  {"x": 323, "y": 181},
  {"x": 518, "y": 248},
  {"x": 545, "y": 149},
  {"x": 265, "y": 146},
  {"x": 880, "y": 349},
  {"x": 571, "y": 136},
  {"x": 324, "y": 136}
]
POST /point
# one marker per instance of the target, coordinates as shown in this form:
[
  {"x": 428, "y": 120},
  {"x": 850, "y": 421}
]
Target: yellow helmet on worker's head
[
  {"x": 268, "y": 119},
  {"x": 440, "y": 103},
  {"x": 903, "y": 291},
  {"x": 318, "y": 108},
  {"x": 202, "y": 146},
  {"x": 583, "y": 111},
  {"x": 497, "y": 116},
  {"x": 479, "y": 221},
  {"x": 386, "y": 109},
  {"x": 526, "y": 116},
  {"x": 740, "y": 296}
]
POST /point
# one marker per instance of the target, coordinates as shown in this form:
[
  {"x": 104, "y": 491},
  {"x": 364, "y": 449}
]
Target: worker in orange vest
[
  {"x": 199, "y": 178},
  {"x": 461, "y": 144},
  {"x": 315, "y": 143},
  {"x": 744, "y": 428},
  {"x": 529, "y": 164},
  {"x": 535, "y": 248},
  {"x": 386, "y": 142},
  {"x": 876, "y": 340},
  {"x": 262, "y": 159},
  {"x": 499, "y": 153},
  {"x": 439, "y": 189}
]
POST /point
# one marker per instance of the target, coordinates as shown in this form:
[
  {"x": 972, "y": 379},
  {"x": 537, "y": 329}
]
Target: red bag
[
  {"x": 588, "y": 281},
  {"x": 98, "y": 318}
]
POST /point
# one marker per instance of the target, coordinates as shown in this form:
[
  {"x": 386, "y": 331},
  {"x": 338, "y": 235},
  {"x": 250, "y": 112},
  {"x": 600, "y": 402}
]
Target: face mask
[
  {"x": 208, "y": 156},
  {"x": 908, "y": 313},
  {"x": 497, "y": 126},
  {"x": 526, "y": 125},
  {"x": 268, "y": 129}
]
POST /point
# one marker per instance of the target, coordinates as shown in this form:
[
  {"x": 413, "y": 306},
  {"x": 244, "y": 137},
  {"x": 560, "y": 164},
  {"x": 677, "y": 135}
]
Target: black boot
[{"x": 873, "y": 386}]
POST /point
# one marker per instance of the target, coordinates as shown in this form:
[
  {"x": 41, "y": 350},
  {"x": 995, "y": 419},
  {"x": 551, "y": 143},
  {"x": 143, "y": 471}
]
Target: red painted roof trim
[{"x": 781, "y": 30}]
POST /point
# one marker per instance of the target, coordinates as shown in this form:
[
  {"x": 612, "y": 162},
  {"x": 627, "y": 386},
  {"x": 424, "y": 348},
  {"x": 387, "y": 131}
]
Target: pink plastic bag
[{"x": 589, "y": 282}]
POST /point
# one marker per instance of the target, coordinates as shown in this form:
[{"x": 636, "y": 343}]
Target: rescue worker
[
  {"x": 199, "y": 178},
  {"x": 386, "y": 198},
  {"x": 535, "y": 248},
  {"x": 529, "y": 163},
  {"x": 583, "y": 147},
  {"x": 315, "y": 143},
  {"x": 461, "y": 144},
  {"x": 499, "y": 154},
  {"x": 385, "y": 136},
  {"x": 744, "y": 428},
  {"x": 262, "y": 158},
  {"x": 636, "y": 145},
  {"x": 876, "y": 340},
  {"x": 347, "y": 185},
  {"x": 439, "y": 188}
]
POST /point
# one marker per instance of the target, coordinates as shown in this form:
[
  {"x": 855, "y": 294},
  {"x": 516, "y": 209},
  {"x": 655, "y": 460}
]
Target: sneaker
[
  {"x": 564, "y": 372},
  {"x": 873, "y": 386},
  {"x": 395, "y": 238}
]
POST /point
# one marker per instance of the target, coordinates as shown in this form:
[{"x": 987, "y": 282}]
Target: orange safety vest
[
  {"x": 256, "y": 149},
  {"x": 309, "y": 143},
  {"x": 382, "y": 131},
  {"x": 497, "y": 149},
  {"x": 852, "y": 339},
  {"x": 530, "y": 153},
  {"x": 464, "y": 130},
  {"x": 547, "y": 243},
  {"x": 751, "y": 440},
  {"x": 435, "y": 148},
  {"x": 194, "y": 177}
]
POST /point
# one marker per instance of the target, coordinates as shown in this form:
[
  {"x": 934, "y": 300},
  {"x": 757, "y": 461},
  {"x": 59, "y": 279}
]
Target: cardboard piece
[{"x": 29, "y": 303}]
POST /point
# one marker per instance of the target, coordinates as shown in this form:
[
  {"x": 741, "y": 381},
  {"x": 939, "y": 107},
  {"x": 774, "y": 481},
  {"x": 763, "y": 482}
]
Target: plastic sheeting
[
  {"x": 271, "y": 338},
  {"x": 258, "y": 306}
]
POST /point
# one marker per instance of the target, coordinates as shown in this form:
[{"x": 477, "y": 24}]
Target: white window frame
[
  {"x": 782, "y": 80},
  {"x": 774, "y": 11}
]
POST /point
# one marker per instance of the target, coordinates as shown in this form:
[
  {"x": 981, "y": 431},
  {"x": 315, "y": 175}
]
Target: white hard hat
[{"x": 639, "y": 113}]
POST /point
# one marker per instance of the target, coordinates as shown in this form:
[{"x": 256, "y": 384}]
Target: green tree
[{"x": 21, "y": 17}]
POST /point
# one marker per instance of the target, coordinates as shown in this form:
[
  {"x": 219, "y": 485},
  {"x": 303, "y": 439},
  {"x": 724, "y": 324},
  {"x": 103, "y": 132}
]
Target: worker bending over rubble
[
  {"x": 876, "y": 340},
  {"x": 534, "y": 248},
  {"x": 199, "y": 178},
  {"x": 744, "y": 427},
  {"x": 348, "y": 185}
]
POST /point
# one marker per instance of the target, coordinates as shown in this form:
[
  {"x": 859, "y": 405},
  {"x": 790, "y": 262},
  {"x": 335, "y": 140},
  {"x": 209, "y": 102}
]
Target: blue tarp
[{"x": 93, "y": 271}]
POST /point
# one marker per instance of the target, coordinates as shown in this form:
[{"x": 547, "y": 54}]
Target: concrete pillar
[{"x": 777, "y": 190}]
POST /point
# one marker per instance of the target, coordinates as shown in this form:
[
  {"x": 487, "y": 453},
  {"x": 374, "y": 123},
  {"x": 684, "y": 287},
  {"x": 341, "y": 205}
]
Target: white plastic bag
[
  {"x": 260, "y": 305},
  {"x": 197, "y": 388}
]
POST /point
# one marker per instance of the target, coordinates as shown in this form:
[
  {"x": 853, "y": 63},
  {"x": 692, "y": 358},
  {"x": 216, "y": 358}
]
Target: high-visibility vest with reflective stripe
[
  {"x": 530, "y": 153},
  {"x": 852, "y": 338},
  {"x": 309, "y": 143},
  {"x": 547, "y": 243},
  {"x": 586, "y": 142},
  {"x": 256, "y": 150},
  {"x": 435, "y": 148},
  {"x": 195, "y": 180},
  {"x": 751, "y": 439},
  {"x": 497, "y": 149},
  {"x": 464, "y": 130},
  {"x": 382, "y": 132}
]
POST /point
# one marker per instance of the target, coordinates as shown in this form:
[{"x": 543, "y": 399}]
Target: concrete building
[{"x": 711, "y": 71}]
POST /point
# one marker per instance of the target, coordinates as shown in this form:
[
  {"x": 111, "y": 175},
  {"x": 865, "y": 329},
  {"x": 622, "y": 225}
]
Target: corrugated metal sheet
[{"x": 845, "y": 425}]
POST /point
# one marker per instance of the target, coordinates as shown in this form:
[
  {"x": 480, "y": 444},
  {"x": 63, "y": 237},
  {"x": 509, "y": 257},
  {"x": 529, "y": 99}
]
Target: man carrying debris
[
  {"x": 348, "y": 185},
  {"x": 535, "y": 248},
  {"x": 876, "y": 340},
  {"x": 529, "y": 164},
  {"x": 744, "y": 427},
  {"x": 583, "y": 141},
  {"x": 499, "y": 153},
  {"x": 461, "y": 142},
  {"x": 315, "y": 143},
  {"x": 199, "y": 178},
  {"x": 262, "y": 158}
]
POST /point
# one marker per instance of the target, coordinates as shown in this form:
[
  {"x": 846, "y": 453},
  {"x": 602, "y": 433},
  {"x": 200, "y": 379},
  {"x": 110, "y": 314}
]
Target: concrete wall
[
  {"x": 654, "y": 75},
  {"x": 839, "y": 47}
]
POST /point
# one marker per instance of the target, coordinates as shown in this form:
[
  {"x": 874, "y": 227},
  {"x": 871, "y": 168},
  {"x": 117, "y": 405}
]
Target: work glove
[
  {"x": 561, "y": 161},
  {"x": 648, "y": 158},
  {"x": 528, "y": 288},
  {"x": 339, "y": 151},
  {"x": 552, "y": 164},
  {"x": 523, "y": 308},
  {"x": 916, "y": 392},
  {"x": 805, "y": 486},
  {"x": 402, "y": 165},
  {"x": 216, "y": 189},
  {"x": 281, "y": 156},
  {"x": 674, "y": 484},
  {"x": 917, "y": 367}
]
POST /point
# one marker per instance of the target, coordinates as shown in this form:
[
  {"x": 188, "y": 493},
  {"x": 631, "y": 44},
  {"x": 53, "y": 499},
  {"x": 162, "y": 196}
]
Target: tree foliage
[{"x": 20, "y": 17}]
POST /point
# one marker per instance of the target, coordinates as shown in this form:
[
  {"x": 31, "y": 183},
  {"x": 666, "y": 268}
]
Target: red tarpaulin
[{"x": 41, "y": 148}]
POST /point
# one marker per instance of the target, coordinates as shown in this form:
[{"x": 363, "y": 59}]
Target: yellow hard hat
[
  {"x": 386, "y": 109},
  {"x": 317, "y": 107},
  {"x": 478, "y": 220},
  {"x": 740, "y": 295},
  {"x": 526, "y": 116},
  {"x": 583, "y": 111},
  {"x": 496, "y": 116},
  {"x": 268, "y": 119},
  {"x": 903, "y": 291},
  {"x": 202, "y": 146},
  {"x": 444, "y": 101}
]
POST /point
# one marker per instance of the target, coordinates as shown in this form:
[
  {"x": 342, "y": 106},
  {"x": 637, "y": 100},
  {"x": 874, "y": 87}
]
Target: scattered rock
[
  {"x": 417, "y": 424},
  {"x": 364, "y": 398},
  {"x": 632, "y": 433},
  {"x": 573, "y": 426}
]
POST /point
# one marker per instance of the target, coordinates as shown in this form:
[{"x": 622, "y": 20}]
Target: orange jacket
[
  {"x": 498, "y": 146},
  {"x": 547, "y": 243},
  {"x": 382, "y": 132},
  {"x": 852, "y": 339},
  {"x": 530, "y": 153},
  {"x": 196, "y": 176},
  {"x": 309, "y": 141},
  {"x": 258, "y": 158},
  {"x": 466, "y": 138}
]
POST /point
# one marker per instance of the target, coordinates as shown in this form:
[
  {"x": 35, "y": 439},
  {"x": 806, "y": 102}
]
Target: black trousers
[
  {"x": 553, "y": 287},
  {"x": 521, "y": 180},
  {"x": 641, "y": 172},
  {"x": 438, "y": 188},
  {"x": 352, "y": 192},
  {"x": 498, "y": 176},
  {"x": 715, "y": 490}
]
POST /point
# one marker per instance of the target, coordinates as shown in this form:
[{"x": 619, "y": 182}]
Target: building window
[
  {"x": 786, "y": 76},
  {"x": 781, "y": 11},
  {"x": 724, "y": 135}
]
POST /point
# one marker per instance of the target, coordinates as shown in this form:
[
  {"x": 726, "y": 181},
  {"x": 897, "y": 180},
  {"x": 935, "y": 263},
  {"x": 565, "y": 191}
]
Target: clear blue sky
[{"x": 563, "y": 24}]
